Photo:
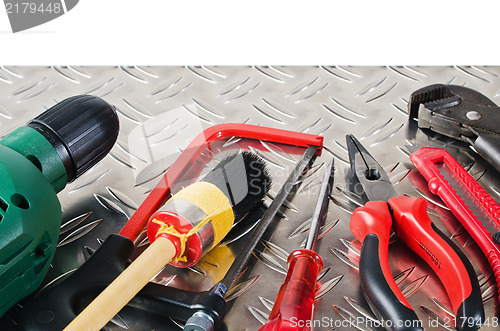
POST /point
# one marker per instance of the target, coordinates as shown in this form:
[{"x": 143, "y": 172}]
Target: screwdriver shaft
[
  {"x": 321, "y": 206},
  {"x": 294, "y": 305}
]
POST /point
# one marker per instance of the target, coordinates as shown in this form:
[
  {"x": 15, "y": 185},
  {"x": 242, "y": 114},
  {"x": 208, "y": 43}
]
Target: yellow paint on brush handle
[
  {"x": 213, "y": 202},
  {"x": 100, "y": 311}
]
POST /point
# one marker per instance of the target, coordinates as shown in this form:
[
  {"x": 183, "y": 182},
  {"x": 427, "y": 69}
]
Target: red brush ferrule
[{"x": 193, "y": 246}]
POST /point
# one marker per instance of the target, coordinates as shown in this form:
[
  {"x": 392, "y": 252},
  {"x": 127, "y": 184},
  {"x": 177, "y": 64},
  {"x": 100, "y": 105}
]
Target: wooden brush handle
[{"x": 124, "y": 287}]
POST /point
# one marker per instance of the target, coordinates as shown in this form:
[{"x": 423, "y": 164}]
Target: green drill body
[
  {"x": 36, "y": 162},
  {"x": 31, "y": 175}
]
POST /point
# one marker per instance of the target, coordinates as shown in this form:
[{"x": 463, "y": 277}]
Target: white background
[{"x": 260, "y": 32}]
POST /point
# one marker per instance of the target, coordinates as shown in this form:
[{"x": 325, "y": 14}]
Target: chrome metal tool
[{"x": 460, "y": 113}]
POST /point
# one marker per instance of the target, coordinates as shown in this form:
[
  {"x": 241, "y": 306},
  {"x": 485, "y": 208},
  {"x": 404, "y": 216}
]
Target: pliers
[{"x": 371, "y": 225}]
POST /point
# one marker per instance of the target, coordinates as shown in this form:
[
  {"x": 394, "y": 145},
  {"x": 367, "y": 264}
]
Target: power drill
[{"x": 36, "y": 162}]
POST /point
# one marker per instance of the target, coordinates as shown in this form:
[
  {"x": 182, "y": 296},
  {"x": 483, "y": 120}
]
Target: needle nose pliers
[{"x": 371, "y": 225}]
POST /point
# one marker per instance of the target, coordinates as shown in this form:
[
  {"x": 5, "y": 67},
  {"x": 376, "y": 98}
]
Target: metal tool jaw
[
  {"x": 373, "y": 182},
  {"x": 462, "y": 114},
  {"x": 454, "y": 111}
]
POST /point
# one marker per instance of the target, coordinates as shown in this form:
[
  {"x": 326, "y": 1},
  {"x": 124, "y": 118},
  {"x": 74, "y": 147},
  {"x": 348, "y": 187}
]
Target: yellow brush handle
[{"x": 124, "y": 287}]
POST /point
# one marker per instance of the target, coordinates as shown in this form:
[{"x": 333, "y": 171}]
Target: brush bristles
[{"x": 244, "y": 179}]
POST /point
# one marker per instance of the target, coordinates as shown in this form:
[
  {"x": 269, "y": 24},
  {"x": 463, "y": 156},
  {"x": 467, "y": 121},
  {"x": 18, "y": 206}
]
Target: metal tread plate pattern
[{"x": 162, "y": 108}]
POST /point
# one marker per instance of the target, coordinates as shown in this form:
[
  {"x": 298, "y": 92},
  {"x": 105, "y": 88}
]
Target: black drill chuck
[{"x": 82, "y": 129}]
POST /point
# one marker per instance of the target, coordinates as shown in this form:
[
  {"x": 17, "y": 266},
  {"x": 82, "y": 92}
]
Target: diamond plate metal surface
[{"x": 171, "y": 105}]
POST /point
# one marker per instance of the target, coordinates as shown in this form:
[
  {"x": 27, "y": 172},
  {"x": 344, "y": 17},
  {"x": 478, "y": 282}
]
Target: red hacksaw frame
[{"x": 161, "y": 193}]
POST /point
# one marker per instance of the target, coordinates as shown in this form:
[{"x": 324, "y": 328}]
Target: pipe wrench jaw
[
  {"x": 435, "y": 96},
  {"x": 454, "y": 111}
]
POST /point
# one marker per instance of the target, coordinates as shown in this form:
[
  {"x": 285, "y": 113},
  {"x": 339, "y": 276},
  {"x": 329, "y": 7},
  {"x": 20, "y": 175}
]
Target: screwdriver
[{"x": 293, "y": 308}]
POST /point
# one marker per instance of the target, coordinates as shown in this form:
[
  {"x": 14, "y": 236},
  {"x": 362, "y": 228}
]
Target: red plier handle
[{"x": 371, "y": 225}]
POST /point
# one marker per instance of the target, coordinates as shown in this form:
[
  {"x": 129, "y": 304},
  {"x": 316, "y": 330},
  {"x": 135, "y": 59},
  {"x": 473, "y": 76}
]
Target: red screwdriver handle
[
  {"x": 412, "y": 224},
  {"x": 371, "y": 225},
  {"x": 293, "y": 308}
]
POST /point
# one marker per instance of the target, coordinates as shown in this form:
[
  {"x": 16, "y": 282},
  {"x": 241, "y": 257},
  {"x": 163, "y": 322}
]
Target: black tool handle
[
  {"x": 179, "y": 304},
  {"x": 488, "y": 146},
  {"x": 415, "y": 228},
  {"x": 371, "y": 224},
  {"x": 54, "y": 308},
  {"x": 57, "y": 306}
]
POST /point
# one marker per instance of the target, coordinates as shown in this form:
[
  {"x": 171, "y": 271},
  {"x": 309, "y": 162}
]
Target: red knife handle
[
  {"x": 412, "y": 224},
  {"x": 371, "y": 225},
  {"x": 425, "y": 159}
]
